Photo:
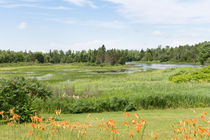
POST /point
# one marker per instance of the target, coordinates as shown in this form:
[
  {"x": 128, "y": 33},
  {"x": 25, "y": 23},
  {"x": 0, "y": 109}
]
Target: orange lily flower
[
  {"x": 155, "y": 136},
  {"x": 2, "y": 112},
  {"x": 30, "y": 132},
  {"x": 131, "y": 134},
  {"x": 127, "y": 114}
]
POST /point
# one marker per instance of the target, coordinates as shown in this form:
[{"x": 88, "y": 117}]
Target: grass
[
  {"x": 158, "y": 121},
  {"x": 148, "y": 90},
  {"x": 114, "y": 87}
]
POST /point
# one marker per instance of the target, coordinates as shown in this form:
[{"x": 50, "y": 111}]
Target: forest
[{"x": 198, "y": 53}]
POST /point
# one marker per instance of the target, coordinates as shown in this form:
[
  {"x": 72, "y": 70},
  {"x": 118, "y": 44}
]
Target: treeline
[{"x": 187, "y": 53}]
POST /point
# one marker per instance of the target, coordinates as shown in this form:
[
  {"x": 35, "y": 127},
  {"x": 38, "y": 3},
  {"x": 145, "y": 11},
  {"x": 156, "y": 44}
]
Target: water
[
  {"x": 44, "y": 77},
  {"x": 160, "y": 66}
]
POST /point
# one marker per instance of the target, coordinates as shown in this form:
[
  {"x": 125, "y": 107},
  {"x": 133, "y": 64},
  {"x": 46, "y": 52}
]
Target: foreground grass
[{"x": 158, "y": 121}]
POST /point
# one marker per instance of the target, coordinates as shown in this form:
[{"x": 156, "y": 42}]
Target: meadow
[
  {"x": 107, "y": 92},
  {"x": 175, "y": 124},
  {"x": 111, "y": 88}
]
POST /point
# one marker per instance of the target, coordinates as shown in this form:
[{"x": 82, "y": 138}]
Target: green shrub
[
  {"x": 19, "y": 93},
  {"x": 101, "y": 104},
  {"x": 202, "y": 74}
]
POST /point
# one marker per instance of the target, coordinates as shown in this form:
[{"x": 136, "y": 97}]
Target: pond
[{"x": 160, "y": 66}]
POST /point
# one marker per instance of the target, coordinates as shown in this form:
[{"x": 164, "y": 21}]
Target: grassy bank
[
  {"x": 168, "y": 62},
  {"x": 158, "y": 121}
]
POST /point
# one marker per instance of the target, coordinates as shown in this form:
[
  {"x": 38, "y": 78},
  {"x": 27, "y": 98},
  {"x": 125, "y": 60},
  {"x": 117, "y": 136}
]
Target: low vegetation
[
  {"x": 137, "y": 125},
  {"x": 17, "y": 96},
  {"x": 79, "y": 88},
  {"x": 84, "y": 88},
  {"x": 202, "y": 74}
]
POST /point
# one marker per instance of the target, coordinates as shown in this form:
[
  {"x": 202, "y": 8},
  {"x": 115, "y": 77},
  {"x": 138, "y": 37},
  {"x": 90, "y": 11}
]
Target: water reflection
[{"x": 160, "y": 66}]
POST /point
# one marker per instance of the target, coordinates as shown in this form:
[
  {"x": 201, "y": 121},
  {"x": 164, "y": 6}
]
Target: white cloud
[
  {"x": 182, "y": 42},
  {"x": 35, "y": 6},
  {"x": 22, "y": 26},
  {"x": 165, "y": 11},
  {"x": 82, "y": 3},
  {"x": 92, "y": 44},
  {"x": 156, "y": 33}
]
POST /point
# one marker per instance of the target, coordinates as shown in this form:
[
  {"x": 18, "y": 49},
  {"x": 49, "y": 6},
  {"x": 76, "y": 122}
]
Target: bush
[
  {"x": 19, "y": 93},
  {"x": 202, "y": 74},
  {"x": 136, "y": 102}
]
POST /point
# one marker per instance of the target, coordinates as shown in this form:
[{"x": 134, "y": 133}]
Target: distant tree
[
  {"x": 39, "y": 57},
  {"x": 148, "y": 55},
  {"x": 101, "y": 55},
  {"x": 204, "y": 54},
  {"x": 186, "y": 53},
  {"x": 164, "y": 58}
]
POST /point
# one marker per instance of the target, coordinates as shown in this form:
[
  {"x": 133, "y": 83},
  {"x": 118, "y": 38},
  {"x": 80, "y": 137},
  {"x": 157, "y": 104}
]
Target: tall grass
[{"x": 98, "y": 92}]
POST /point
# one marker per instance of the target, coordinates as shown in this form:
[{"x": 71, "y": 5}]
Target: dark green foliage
[
  {"x": 164, "y": 58},
  {"x": 204, "y": 54},
  {"x": 69, "y": 105},
  {"x": 39, "y": 57},
  {"x": 184, "y": 76},
  {"x": 19, "y": 93},
  {"x": 191, "y": 54}
]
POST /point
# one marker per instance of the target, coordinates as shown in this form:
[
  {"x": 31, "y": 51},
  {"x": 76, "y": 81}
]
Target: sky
[{"x": 41, "y": 25}]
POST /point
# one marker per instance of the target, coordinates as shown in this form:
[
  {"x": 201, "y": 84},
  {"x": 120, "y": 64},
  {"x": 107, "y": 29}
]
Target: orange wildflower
[
  {"x": 53, "y": 133},
  {"x": 84, "y": 132},
  {"x": 100, "y": 126},
  {"x": 11, "y": 111},
  {"x": 43, "y": 127},
  {"x": 89, "y": 125},
  {"x": 114, "y": 131},
  {"x": 131, "y": 134},
  {"x": 73, "y": 127},
  {"x": 32, "y": 125},
  {"x": 16, "y": 116},
  {"x": 110, "y": 122},
  {"x": 136, "y": 115},
  {"x": 138, "y": 128},
  {"x": 127, "y": 114},
  {"x": 175, "y": 138},
  {"x": 183, "y": 128},
  {"x": 2, "y": 112},
  {"x": 50, "y": 119},
  {"x": 202, "y": 117},
  {"x": 133, "y": 121},
  {"x": 30, "y": 132},
  {"x": 125, "y": 124},
  {"x": 204, "y": 113},
  {"x": 155, "y": 136},
  {"x": 106, "y": 128},
  {"x": 143, "y": 122}
]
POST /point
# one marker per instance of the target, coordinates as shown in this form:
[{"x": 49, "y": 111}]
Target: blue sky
[{"x": 41, "y": 25}]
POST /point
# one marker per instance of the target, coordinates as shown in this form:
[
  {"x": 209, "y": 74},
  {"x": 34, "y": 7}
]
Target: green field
[
  {"x": 158, "y": 121},
  {"x": 108, "y": 91},
  {"x": 113, "y": 87}
]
